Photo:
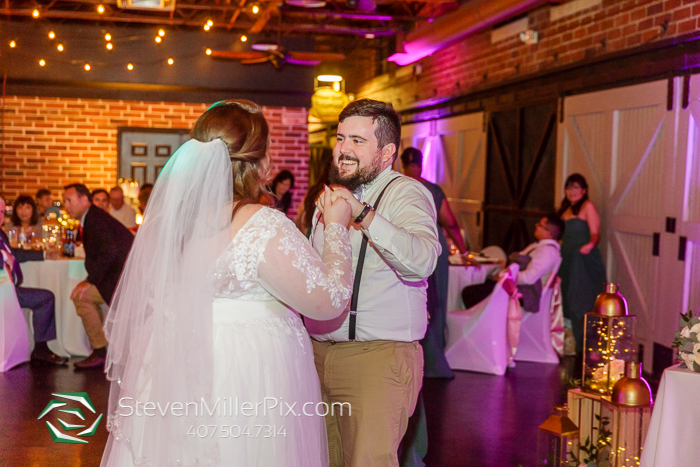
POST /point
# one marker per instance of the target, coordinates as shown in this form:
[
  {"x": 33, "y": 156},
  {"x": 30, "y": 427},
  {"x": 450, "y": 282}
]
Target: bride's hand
[{"x": 335, "y": 210}]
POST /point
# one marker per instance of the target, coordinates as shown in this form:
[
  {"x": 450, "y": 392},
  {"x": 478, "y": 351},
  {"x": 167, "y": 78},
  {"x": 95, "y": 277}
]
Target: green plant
[{"x": 590, "y": 452}]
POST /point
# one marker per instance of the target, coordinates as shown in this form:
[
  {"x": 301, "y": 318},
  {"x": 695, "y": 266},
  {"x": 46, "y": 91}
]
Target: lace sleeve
[{"x": 292, "y": 271}]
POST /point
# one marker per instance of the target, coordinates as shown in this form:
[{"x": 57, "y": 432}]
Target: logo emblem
[{"x": 75, "y": 416}]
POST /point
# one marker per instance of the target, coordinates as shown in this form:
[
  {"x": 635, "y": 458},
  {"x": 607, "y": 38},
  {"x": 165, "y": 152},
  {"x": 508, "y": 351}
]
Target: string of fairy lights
[{"x": 109, "y": 41}]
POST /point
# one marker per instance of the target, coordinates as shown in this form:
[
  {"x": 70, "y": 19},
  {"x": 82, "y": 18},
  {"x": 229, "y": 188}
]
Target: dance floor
[{"x": 473, "y": 420}]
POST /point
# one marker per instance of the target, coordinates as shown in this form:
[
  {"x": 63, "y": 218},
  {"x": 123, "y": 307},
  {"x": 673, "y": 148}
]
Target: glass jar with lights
[{"x": 610, "y": 340}]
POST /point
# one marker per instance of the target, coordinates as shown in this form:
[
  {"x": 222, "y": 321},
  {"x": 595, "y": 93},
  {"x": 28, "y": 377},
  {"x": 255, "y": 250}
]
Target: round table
[{"x": 60, "y": 277}]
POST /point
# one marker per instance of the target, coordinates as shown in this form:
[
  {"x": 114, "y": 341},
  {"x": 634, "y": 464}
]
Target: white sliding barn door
[
  {"x": 454, "y": 157},
  {"x": 622, "y": 141},
  {"x": 685, "y": 265}
]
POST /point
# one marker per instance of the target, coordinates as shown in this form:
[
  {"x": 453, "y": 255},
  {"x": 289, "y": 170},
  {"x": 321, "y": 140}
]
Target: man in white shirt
[
  {"x": 376, "y": 365},
  {"x": 120, "y": 210},
  {"x": 537, "y": 262}
]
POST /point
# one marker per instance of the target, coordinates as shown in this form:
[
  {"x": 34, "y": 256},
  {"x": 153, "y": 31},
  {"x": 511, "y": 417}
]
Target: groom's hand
[{"x": 344, "y": 193}]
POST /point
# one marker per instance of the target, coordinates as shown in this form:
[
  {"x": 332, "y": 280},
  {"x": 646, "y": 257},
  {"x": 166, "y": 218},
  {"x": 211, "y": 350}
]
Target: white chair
[
  {"x": 14, "y": 335},
  {"x": 495, "y": 252},
  {"x": 535, "y": 328},
  {"x": 476, "y": 338}
]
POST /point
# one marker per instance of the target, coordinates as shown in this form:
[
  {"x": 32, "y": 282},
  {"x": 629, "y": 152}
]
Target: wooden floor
[{"x": 473, "y": 420}]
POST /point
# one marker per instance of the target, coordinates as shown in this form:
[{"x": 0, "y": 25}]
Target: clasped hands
[{"x": 338, "y": 204}]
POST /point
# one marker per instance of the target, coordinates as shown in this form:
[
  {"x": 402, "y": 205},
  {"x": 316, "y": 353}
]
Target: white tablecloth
[
  {"x": 462, "y": 276},
  {"x": 672, "y": 439},
  {"x": 60, "y": 277}
]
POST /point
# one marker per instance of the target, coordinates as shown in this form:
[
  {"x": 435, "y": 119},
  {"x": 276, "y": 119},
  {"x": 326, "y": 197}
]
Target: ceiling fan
[{"x": 277, "y": 56}]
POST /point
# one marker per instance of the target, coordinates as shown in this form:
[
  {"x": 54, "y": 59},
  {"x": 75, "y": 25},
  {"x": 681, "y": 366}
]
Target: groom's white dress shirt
[{"x": 402, "y": 252}]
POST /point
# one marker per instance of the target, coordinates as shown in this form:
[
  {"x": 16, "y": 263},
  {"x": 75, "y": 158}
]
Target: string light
[
  {"x": 52, "y": 35},
  {"x": 87, "y": 67},
  {"x": 170, "y": 61},
  {"x": 100, "y": 9},
  {"x": 244, "y": 38},
  {"x": 161, "y": 32},
  {"x": 208, "y": 51},
  {"x": 109, "y": 46},
  {"x": 256, "y": 9},
  {"x": 42, "y": 62},
  {"x": 130, "y": 67},
  {"x": 159, "y": 39},
  {"x": 207, "y": 27},
  {"x": 13, "y": 44},
  {"x": 108, "y": 37},
  {"x": 210, "y": 23},
  {"x": 35, "y": 13},
  {"x": 59, "y": 47}
]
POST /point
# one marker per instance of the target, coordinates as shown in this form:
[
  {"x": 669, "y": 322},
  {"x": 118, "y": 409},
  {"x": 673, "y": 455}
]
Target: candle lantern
[
  {"x": 629, "y": 410},
  {"x": 557, "y": 440},
  {"x": 609, "y": 341},
  {"x": 52, "y": 232}
]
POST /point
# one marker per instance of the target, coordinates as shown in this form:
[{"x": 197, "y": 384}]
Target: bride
[{"x": 209, "y": 361}]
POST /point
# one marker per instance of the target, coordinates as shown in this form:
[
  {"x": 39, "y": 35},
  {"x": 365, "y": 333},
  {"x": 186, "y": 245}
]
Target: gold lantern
[
  {"x": 629, "y": 410},
  {"x": 609, "y": 341},
  {"x": 557, "y": 440},
  {"x": 52, "y": 232}
]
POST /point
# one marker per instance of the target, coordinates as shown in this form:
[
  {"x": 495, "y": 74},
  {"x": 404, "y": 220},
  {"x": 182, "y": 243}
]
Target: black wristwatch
[{"x": 364, "y": 213}]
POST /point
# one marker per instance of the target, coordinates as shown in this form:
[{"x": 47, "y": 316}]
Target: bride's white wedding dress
[{"x": 269, "y": 410}]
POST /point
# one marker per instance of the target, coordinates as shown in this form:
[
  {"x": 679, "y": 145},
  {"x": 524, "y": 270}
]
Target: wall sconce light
[{"x": 529, "y": 37}]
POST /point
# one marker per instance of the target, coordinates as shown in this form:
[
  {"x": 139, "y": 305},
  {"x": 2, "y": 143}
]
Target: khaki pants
[
  {"x": 381, "y": 381},
  {"x": 89, "y": 308}
]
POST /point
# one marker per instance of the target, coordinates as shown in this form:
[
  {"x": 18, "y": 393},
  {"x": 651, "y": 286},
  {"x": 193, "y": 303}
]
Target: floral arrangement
[
  {"x": 616, "y": 369},
  {"x": 687, "y": 341}
]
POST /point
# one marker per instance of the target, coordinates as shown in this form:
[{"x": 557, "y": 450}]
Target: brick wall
[
  {"x": 50, "y": 142},
  {"x": 612, "y": 26}
]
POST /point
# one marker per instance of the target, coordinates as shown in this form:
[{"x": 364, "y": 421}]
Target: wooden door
[
  {"x": 622, "y": 141},
  {"x": 519, "y": 174},
  {"x": 684, "y": 261},
  {"x": 454, "y": 157}
]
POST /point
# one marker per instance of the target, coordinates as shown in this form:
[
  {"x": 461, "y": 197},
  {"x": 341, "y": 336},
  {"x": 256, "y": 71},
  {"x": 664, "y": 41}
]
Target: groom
[{"x": 370, "y": 356}]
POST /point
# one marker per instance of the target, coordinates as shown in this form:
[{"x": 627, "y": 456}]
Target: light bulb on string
[
  {"x": 35, "y": 13},
  {"x": 207, "y": 27},
  {"x": 208, "y": 51},
  {"x": 108, "y": 37},
  {"x": 13, "y": 44},
  {"x": 100, "y": 9},
  {"x": 59, "y": 47},
  {"x": 210, "y": 22},
  {"x": 130, "y": 67},
  {"x": 161, "y": 32},
  {"x": 159, "y": 39},
  {"x": 52, "y": 35},
  {"x": 109, "y": 46},
  {"x": 42, "y": 62},
  {"x": 87, "y": 67},
  {"x": 244, "y": 38},
  {"x": 256, "y": 9},
  {"x": 170, "y": 61}
]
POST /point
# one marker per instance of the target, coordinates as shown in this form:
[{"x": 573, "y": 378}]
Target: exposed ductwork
[{"x": 472, "y": 17}]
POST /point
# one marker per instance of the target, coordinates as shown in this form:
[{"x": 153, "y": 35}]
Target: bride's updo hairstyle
[{"x": 241, "y": 125}]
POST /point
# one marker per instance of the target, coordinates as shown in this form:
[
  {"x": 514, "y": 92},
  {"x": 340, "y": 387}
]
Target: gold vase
[
  {"x": 611, "y": 302},
  {"x": 632, "y": 390}
]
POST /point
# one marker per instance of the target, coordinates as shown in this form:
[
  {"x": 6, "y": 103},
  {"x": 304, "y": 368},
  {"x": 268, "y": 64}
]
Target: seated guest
[
  {"x": 44, "y": 203},
  {"x": 40, "y": 301},
  {"x": 536, "y": 262},
  {"x": 100, "y": 198},
  {"x": 107, "y": 243},
  {"x": 120, "y": 210},
  {"x": 144, "y": 194},
  {"x": 281, "y": 187},
  {"x": 25, "y": 217}
]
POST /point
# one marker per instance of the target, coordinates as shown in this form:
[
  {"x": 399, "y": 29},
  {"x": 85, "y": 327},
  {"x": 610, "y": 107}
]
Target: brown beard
[{"x": 358, "y": 178}]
